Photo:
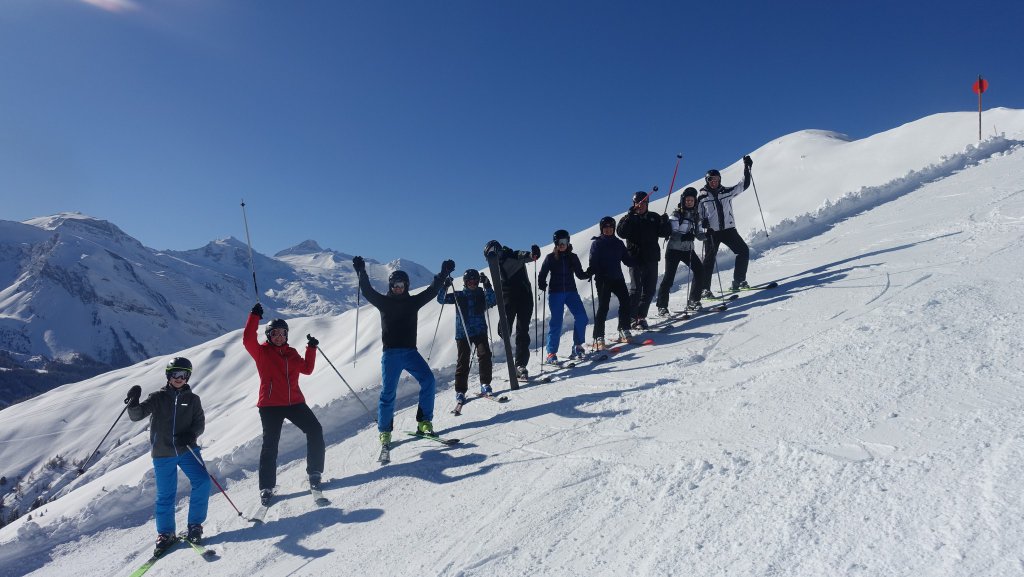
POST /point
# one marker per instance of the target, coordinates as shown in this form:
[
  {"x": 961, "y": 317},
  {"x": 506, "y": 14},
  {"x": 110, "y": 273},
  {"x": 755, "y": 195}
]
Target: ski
[
  {"x": 208, "y": 554},
  {"x": 498, "y": 277},
  {"x": 728, "y": 297},
  {"x": 260, "y": 514},
  {"x": 152, "y": 561},
  {"x": 688, "y": 315},
  {"x": 318, "y": 498},
  {"x": 496, "y": 399},
  {"x": 436, "y": 438},
  {"x": 385, "y": 454},
  {"x": 458, "y": 409},
  {"x": 759, "y": 287}
]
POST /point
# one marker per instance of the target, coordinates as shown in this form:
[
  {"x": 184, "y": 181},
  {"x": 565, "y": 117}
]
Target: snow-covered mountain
[
  {"x": 82, "y": 297},
  {"x": 864, "y": 418}
]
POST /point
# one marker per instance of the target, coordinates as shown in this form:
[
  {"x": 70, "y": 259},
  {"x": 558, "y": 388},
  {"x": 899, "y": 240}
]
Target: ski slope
[{"x": 865, "y": 418}]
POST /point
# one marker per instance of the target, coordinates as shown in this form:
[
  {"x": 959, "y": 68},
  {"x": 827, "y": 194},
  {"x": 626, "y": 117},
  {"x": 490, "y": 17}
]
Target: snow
[{"x": 863, "y": 419}]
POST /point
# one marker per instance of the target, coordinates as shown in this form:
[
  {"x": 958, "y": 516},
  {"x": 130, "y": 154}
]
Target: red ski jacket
[{"x": 278, "y": 367}]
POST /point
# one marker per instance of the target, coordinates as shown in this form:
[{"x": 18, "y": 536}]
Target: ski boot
[
  {"x": 577, "y": 353},
  {"x": 522, "y": 373},
  {"x": 599, "y": 344},
  {"x": 485, "y": 390},
  {"x": 425, "y": 429},
  {"x": 738, "y": 286},
  {"x": 707, "y": 294},
  {"x": 663, "y": 312},
  {"x": 266, "y": 496},
  {"x": 693, "y": 306},
  {"x": 164, "y": 541},
  {"x": 460, "y": 398},
  {"x": 551, "y": 359},
  {"x": 385, "y": 438},
  {"x": 314, "y": 482},
  {"x": 195, "y": 533}
]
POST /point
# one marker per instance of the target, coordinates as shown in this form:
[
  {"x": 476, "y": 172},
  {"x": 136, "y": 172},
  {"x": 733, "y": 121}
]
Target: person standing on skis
[
  {"x": 563, "y": 264},
  {"x": 517, "y": 296},
  {"x": 176, "y": 419},
  {"x": 641, "y": 229},
  {"x": 399, "y": 313},
  {"x": 607, "y": 255},
  {"x": 714, "y": 207},
  {"x": 684, "y": 221},
  {"x": 280, "y": 398},
  {"x": 472, "y": 303}
]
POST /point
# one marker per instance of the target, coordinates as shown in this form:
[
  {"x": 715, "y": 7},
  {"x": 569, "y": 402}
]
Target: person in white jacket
[
  {"x": 684, "y": 221},
  {"x": 714, "y": 207}
]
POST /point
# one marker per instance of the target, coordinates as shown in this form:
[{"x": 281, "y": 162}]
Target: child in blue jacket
[{"x": 472, "y": 303}]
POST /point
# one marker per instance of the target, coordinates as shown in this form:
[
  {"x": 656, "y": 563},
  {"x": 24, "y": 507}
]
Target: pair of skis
[
  {"x": 207, "y": 554},
  {"x": 260, "y": 514},
  {"x": 457, "y": 411},
  {"x": 385, "y": 450},
  {"x": 733, "y": 295}
]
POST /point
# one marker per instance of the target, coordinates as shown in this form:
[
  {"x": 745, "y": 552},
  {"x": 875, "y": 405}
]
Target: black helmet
[
  {"x": 559, "y": 235},
  {"x": 710, "y": 173},
  {"x": 397, "y": 277},
  {"x": 471, "y": 274},
  {"x": 607, "y": 221},
  {"x": 276, "y": 324},
  {"x": 688, "y": 192},
  {"x": 178, "y": 364},
  {"x": 640, "y": 196},
  {"x": 492, "y": 248}
]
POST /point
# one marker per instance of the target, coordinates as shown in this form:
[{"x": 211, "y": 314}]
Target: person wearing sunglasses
[
  {"x": 176, "y": 420},
  {"x": 563, "y": 265},
  {"x": 684, "y": 222},
  {"x": 280, "y": 398},
  {"x": 607, "y": 255},
  {"x": 399, "y": 316},
  {"x": 472, "y": 302},
  {"x": 641, "y": 229}
]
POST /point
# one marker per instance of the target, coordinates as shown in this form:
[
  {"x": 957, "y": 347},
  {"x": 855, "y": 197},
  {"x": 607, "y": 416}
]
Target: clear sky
[{"x": 390, "y": 129}]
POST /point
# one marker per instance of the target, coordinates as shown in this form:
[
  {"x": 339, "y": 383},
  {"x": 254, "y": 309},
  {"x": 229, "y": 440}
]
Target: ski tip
[{"x": 647, "y": 342}]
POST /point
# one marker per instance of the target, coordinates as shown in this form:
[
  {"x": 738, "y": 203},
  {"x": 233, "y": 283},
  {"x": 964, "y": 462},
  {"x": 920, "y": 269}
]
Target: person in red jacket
[{"x": 280, "y": 398}]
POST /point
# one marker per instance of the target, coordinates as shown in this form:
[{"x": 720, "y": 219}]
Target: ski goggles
[
  {"x": 279, "y": 333},
  {"x": 398, "y": 285},
  {"x": 563, "y": 242},
  {"x": 178, "y": 375}
]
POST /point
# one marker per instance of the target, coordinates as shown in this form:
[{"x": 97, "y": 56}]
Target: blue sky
[{"x": 423, "y": 129}]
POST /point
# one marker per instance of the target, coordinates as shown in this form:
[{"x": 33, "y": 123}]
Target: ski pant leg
[
  {"x": 302, "y": 417},
  {"x": 693, "y": 261},
  {"x": 420, "y": 370},
  {"x": 462, "y": 366},
  {"x": 199, "y": 478},
  {"x": 579, "y": 314},
  {"x": 732, "y": 239},
  {"x": 520, "y": 312},
  {"x": 604, "y": 297},
  {"x": 556, "y": 304},
  {"x": 272, "y": 419},
  {"x": 483, "y": 355},
  {"x": 391, "y": 367},
  {"x": 710, "y": 256},
  {"x": 165, "y": 471},
  {"x": 672, "y": 258},
  {"x": 648, "y": 280},
  {"x": 618, "y": 288}
]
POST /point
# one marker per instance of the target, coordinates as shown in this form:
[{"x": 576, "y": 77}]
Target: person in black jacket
[
  {"x": 641, "y": 229},
  {"x": 176, "y": 420},
  {"x": 607, "y": 255},
  {"x": 399, "y": 313},
  {"x": 517, "y": 296}
]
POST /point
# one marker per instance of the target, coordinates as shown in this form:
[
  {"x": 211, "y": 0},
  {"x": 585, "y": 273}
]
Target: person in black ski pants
[
  {"x": 641, "y": 229},
  {"x": 470, "y": 329},
  {"x": 684, "y": 221},
  {"x": 399, "y": 313},
  {"x": 517, "y": 296},
  {"x": 714, "y": 207},
  {"x": 607, "y": 255}
]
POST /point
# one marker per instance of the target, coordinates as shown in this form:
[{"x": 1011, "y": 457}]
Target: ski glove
[
  {"x": 447, "y": 267},
  {"x": 706, "y": 224},
  {"x": 133, "y": 396},
  {"x": 311, "y": 340},
  {"x": 535, "y": 252},
  {"x": 543, "y": 286},
  {"x": 447, "y": 282},
  {"x": 183, "y": 440},
  {"x": 358, "y": 264},
  {"x": 257, "y": 309},
  {"x": 747, "y": 161},
  {"x": 484, "y": 280}
]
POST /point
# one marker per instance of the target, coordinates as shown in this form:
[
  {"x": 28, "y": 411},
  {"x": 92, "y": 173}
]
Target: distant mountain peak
[{"x": 304, "y": 247}]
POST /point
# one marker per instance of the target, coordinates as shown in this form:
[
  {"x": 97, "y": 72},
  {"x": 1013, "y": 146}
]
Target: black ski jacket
[
  {"x": 516, "y": 285},
  {"x": 171, "y": 412},
  {"x": 399, "y": 313},
  {"x": 641, "y": 233}
]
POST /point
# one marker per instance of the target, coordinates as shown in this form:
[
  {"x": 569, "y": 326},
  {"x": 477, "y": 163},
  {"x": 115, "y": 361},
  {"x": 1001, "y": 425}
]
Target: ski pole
[
  {"x": 346, "y": 383},
  {"x": 543, "y": 330},
  {"x": 758, "y": 204},
  {"x": 465, "y": 326},
  {"x": 593, "y": 308},
  {"x": 81, "y": 470},
  {"x": 671, "y": 186},
  {"x": 536, "y": 338},
  {"x": 252, "y": 264},
  {"x": 438, "y": 325},
  {"x": 212, "y": 478},
  {"x": 355, "y": 339}
]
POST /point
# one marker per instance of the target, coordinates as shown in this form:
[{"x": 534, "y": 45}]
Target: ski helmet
[
  {"x": 690, "y": 192},
  {"x": 641, "y": 196},
  {"x": 397, "y": 277},
  {"x": 710, "y": 173},
  {"x": 471, "y": 274},
  {"x": 492, "y": 248},
  {"x": 559, "y": 235},
  {"x": 607, "y": 221},
  {"x": 276, "y": 324},
  {"x": 178, "y": 364}
]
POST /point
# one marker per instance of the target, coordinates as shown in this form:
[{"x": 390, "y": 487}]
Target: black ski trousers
[
  {"x": 302, "y": 417},
  {"x": 519, "y": 313},
  {"x": 732, "y": 239},
  {"x": 483, "y": 354},
  {"x": 643, "y": 280},
  {"x": 672, "y": 260},
  {"x": 605, "y": 289}
]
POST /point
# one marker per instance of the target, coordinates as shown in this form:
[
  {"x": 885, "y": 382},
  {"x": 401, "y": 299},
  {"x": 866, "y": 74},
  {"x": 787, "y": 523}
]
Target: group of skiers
[{"x": 176, "y": 414}]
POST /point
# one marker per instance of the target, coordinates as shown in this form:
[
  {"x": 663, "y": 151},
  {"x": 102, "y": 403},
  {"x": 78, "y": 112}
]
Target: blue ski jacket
[{"x": 473, "y": 305}]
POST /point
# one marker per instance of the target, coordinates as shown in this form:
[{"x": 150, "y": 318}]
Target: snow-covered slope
[{"x": 863, "y": 419}]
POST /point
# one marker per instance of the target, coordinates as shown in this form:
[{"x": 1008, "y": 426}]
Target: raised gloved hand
[
  {"x": 257, "y": 309},
  {"x": 535, "y": 252},
  {"x": 184, "y": 440},
  {"x": 311, "y": 340},
  {"x": 484, "y": 280},
  {"x": 133, "y": 396},
  {"x": 747, "y": 161},
  {"x": 447, "y": 267},
  {"x": 358, "y": 264}
]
